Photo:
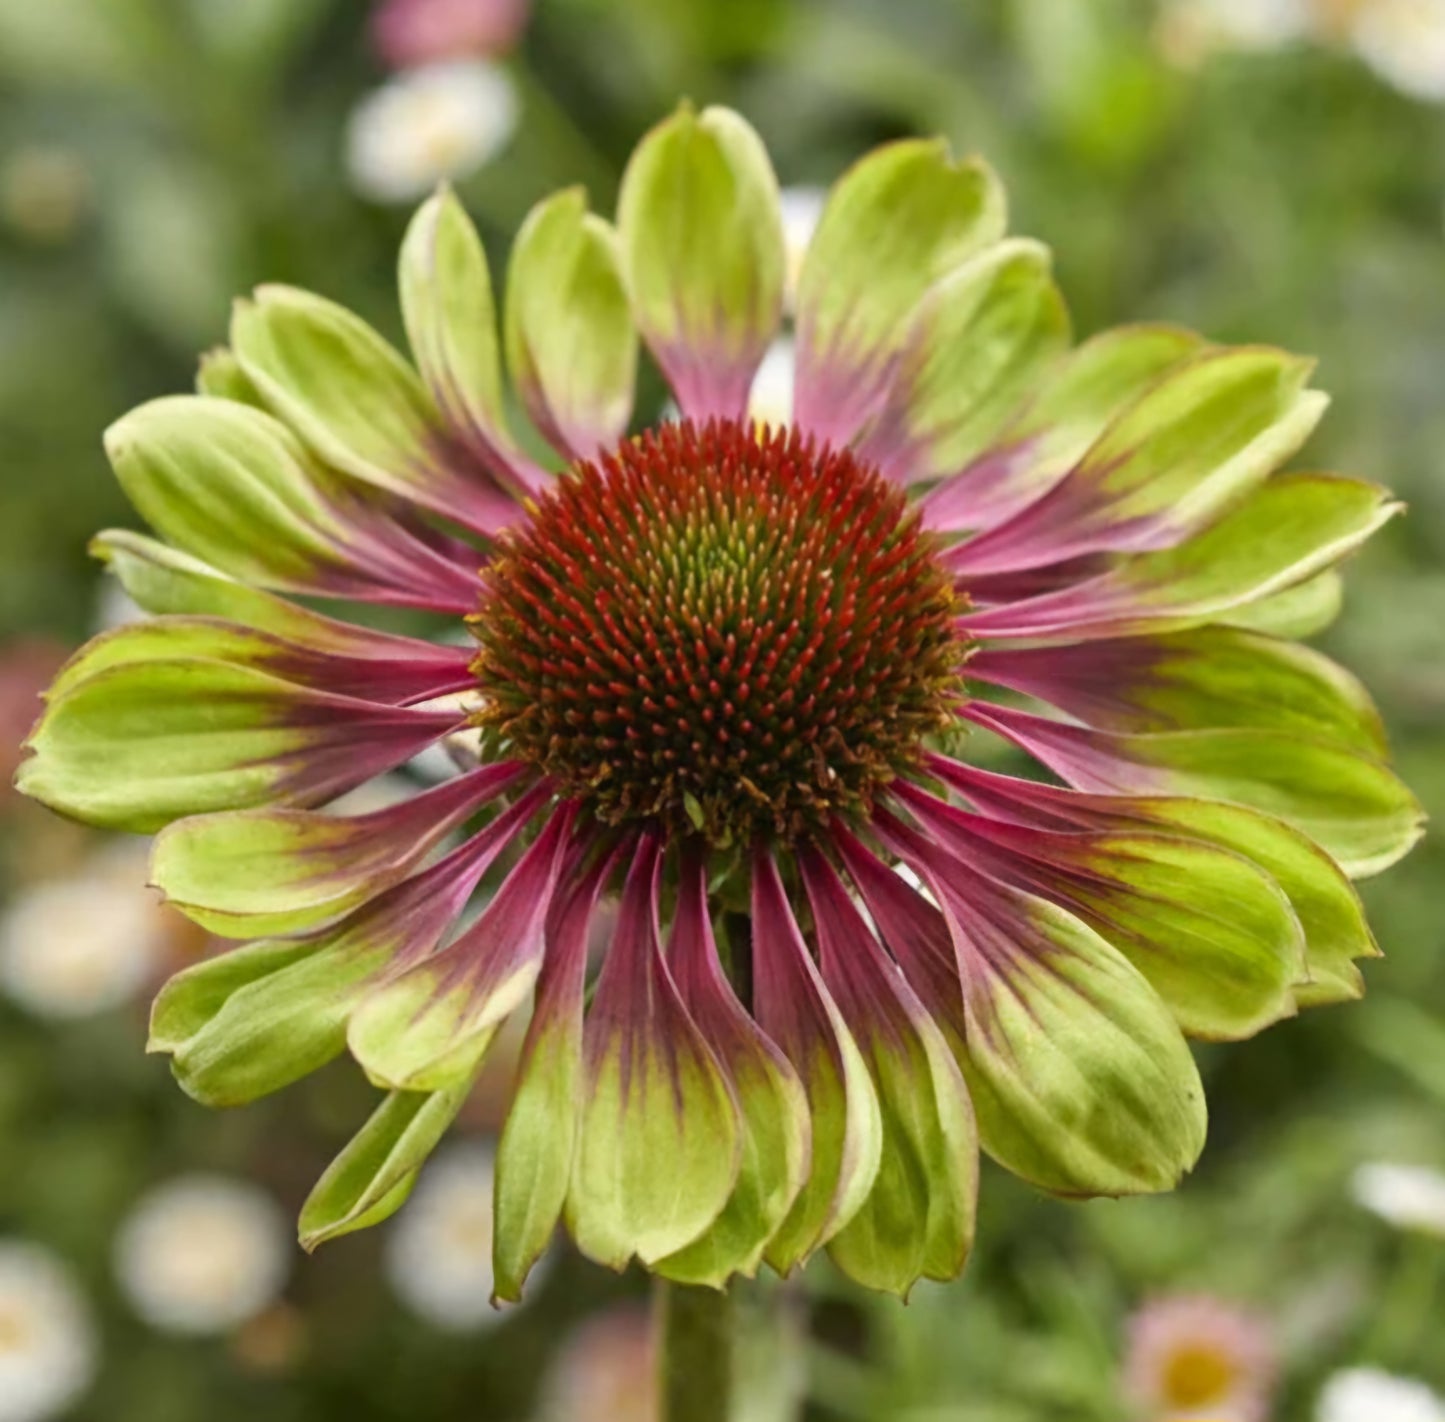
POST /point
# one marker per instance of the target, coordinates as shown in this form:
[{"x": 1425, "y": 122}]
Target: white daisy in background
[
  {"x": 48, "y": 1349},
  {"x": 1196, "y": 1357},
  {"x": 1403, "y": 41},
  {"x": 1409, "y": 1197},
  {"x": 1369, "y": 1395},
  {"x": 802, "y": 208},
  {"x": 439, "y": 1251},
  {"x": 604, "y": 1372},
  {"x": 203, "y": 1254},
  {"x": 1189, "y": 31},
  {"x": 771, "y": 400},
  {"x": 114, "y": 607},
  {"x": 427, "y": 125},
  {"x": 88, "y": 943}
]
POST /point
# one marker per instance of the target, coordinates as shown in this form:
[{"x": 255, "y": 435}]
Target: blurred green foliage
[{"x": 159, "y": 156}]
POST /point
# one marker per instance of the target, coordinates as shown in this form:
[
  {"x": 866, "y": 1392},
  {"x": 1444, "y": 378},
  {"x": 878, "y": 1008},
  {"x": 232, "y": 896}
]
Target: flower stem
[{"x": 696, "y": 1343}]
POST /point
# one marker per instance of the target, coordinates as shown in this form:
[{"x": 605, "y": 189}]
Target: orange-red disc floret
[{"x": 734, "y": 634}]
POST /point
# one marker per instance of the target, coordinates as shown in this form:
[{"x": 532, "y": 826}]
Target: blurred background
[{"x": 1268, "y": 170}]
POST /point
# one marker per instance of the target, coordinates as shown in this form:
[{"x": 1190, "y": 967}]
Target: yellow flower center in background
[{"x": 1198, "y": 1375}]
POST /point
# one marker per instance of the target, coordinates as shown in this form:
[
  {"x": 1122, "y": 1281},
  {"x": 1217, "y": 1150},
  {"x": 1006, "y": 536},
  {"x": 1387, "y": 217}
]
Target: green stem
[
  {"x": 696, "y": 1343},
  {"x": 1407, "y": 1303}
]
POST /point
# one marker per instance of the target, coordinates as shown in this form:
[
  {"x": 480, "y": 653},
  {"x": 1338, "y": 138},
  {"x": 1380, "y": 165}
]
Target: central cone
[{"x": 733, "y": 634}]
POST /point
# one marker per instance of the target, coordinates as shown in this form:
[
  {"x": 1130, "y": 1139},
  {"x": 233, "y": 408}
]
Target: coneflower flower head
[{"x": 725, "y": 673}]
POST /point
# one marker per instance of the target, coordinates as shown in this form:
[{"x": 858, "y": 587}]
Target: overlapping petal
[
  {"x": 777, "y": 1134},
  {"x": 256, "y": 872},
  {"x": 701, "y": 240},
  {"x": 895, "y": 223},
  {"x": 257, "y": 1018},
  {"x": 431, "y": 1022},
  {"x": 1214, "y": 935},
  {"x": 1071, "y": 407},
  {"x": 1195, "y": 442},
  {"x": 796, "y": 1010},
  {"x": 1080, "y": 1078},
  {"x": 980, "y": 340},
  {"x": 571, "y": 342},
  {"x": 143, "y": 743},
  {"x": 660, "y": 1146},
  {"x": 918, "y": 1219},
  {"x": 1213, "y": 676},
  {"x": 235, "y": 488},
  {"x": 534, "y": 1156},
  {"x": 359, "y": 407},
  {"x": 451, "y": 322},
  {"x": 1290, "y": 531},
  {"x": 1351, "y": 804},
  {"x": 1323, "y": 899}
]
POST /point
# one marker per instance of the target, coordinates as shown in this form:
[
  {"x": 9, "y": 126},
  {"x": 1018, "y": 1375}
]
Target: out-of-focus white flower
[
  {"x": 1192, "y": 1356},
  {"x": 379, "y": 794},
  {"x": 770, "y": 402},
  {"x": 605, "y": 1370},
  {"x": 1368, "y": 1395},
  {"x": 410, "y": 32},
  {"x": 114, "y": 607},
  {"x": 1407, "y": 1196},
  {"x": 426, "y": 125},
  {"x": 1403, "y": 41},
  {"x": 455, "y": 753},
  {"x": 1189, "y": 31},
  {"x": 47, "y": 1340},
  {"x": 439, "y": 1251},
  {"x": 87, "y": 943},
  {"x": 802, "y": 209},
  {"x": 203, "y": 1254}
]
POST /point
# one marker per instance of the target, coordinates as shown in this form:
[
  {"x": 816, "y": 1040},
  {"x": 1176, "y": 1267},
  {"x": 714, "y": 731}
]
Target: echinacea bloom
[
  {"x": 1193, "y": 1358},
  {"x": 48, "y": 1345},
  {"x": 412, "y": 32},
  {"x": 203, "y": 1254},
  {"x": 732, "y": 675}
]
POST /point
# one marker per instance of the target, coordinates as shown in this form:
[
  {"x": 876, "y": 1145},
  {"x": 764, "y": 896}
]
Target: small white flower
[
  {"x": 203, "y": 1254},
  {"x": 770, "y": 402},
  {"x": 802, "y": 211},
  {"x": 1403, "y": 41},
  {"x": 439, "y": 1252},
  {"x": 86, "y": 944},
  {"x": 441, "y": 121},
  {"x": 47, "y": 1341},
  {"x": 1191, "y": 30},
  {"x": 1406, "y": 1196},
  {"x": 114, "y": 607},
  {"x": 1368, "y": 1395},
  {"x": 382, "y": 793}
]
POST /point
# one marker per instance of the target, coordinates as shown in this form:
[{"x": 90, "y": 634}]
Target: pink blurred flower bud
[{"x": 411, "y": 32}]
